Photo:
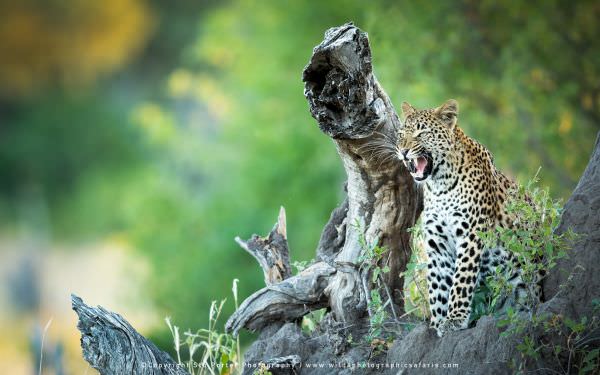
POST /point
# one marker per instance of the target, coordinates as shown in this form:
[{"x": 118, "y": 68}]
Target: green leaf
[
  {"x": 592, "y": 355},
  {"x": 375, "y": 275}
]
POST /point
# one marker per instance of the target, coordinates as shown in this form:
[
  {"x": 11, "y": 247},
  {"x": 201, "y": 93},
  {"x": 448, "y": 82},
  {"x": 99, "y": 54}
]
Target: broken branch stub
[
  {"x": 284, "y": 298},
  {"x": 271, "y": 252},
  {"x": 338, "y": 84}
]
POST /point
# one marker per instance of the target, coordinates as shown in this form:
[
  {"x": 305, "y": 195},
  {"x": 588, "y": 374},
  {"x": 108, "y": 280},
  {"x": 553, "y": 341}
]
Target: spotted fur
[{"x": 464, "y": 194}]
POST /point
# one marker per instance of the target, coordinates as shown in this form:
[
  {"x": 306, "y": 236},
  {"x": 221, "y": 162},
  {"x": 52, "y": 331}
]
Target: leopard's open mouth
[{"x": 420, "y": 167}]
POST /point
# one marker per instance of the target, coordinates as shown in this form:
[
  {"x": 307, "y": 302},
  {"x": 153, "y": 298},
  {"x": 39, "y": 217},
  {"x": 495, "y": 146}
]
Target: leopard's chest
[
  {"x": 447, "y": 208},
  {"x": 448, "y": 218}
]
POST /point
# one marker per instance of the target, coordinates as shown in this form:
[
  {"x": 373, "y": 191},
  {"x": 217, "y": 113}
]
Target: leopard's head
[{"x": 426, "y": 138}]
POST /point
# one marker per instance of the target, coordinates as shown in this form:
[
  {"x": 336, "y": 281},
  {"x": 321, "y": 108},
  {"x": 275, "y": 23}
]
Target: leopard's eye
[{"x": 422, "y": 134}]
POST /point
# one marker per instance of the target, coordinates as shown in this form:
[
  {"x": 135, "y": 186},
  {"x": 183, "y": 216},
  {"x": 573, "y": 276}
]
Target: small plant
[
  {"x": 537, "y": 247},
  {"x": 208, "y": 350},
  {"x": 578, "y": 336},
  {"x": 572, "y": 344},
  {"x": 311, "y": 320},
  {"x": 371, "y": 272},
  {"x": 300, "y": 265},
  {"x": 415, "y": 277},
  {"x": 378, "y": 315},
  {"x": 262, "y": 370},
  {"x": 379, "y": 346},
  {"x": 350, "y": 339},
  {"x": 534, "y": 243}
]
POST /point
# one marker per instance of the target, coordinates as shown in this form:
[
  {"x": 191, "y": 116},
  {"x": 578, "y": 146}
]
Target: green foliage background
[{"x": 205, "y": 133}]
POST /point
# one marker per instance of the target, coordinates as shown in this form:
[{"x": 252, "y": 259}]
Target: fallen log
[{"x": 112, "y": 346}]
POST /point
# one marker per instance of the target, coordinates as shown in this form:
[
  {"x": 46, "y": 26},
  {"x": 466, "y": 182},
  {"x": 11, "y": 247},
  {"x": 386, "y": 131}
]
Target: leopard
[{"x": 464, "y": 194}]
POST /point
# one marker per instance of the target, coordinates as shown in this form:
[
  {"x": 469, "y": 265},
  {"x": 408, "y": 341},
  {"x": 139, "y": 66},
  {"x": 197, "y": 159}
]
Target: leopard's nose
[{"x": 403, "y": 153}]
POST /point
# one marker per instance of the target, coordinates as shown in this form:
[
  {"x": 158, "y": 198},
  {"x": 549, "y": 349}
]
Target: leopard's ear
[
  {"x": 407, "y": 109},
  {"x": 448, "y": 113}
]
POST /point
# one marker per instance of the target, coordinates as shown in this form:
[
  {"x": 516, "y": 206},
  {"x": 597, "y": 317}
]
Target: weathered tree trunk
[
  {"x": 382, "y": 199},
  {"x": 113, "y": 347},
  {"x": 351, "y": 107}
]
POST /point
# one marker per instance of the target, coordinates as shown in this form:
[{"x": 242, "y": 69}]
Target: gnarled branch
[
  {"x": 112, "y": 346},
  {"x": 283, "y": 302}
]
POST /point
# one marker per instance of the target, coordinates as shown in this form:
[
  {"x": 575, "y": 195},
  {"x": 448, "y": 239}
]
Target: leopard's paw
[{"x": 451, "y": 325}]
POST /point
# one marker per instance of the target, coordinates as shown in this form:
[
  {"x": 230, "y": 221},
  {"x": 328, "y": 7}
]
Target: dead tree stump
[{"x": 382, "y": 200}]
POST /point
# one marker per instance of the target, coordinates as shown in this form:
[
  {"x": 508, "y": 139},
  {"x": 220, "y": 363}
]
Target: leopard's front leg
[
  {"x": 468, "y": 255},
  {"x": 440, "y": 269}
]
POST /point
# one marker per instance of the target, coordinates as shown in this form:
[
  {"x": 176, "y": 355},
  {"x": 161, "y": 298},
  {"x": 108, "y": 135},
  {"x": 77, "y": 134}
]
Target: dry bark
[
  {"x": 112, "y": 346},
  {"x": 283, "y": 302},
  {"x": 271, "y": 252}
]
